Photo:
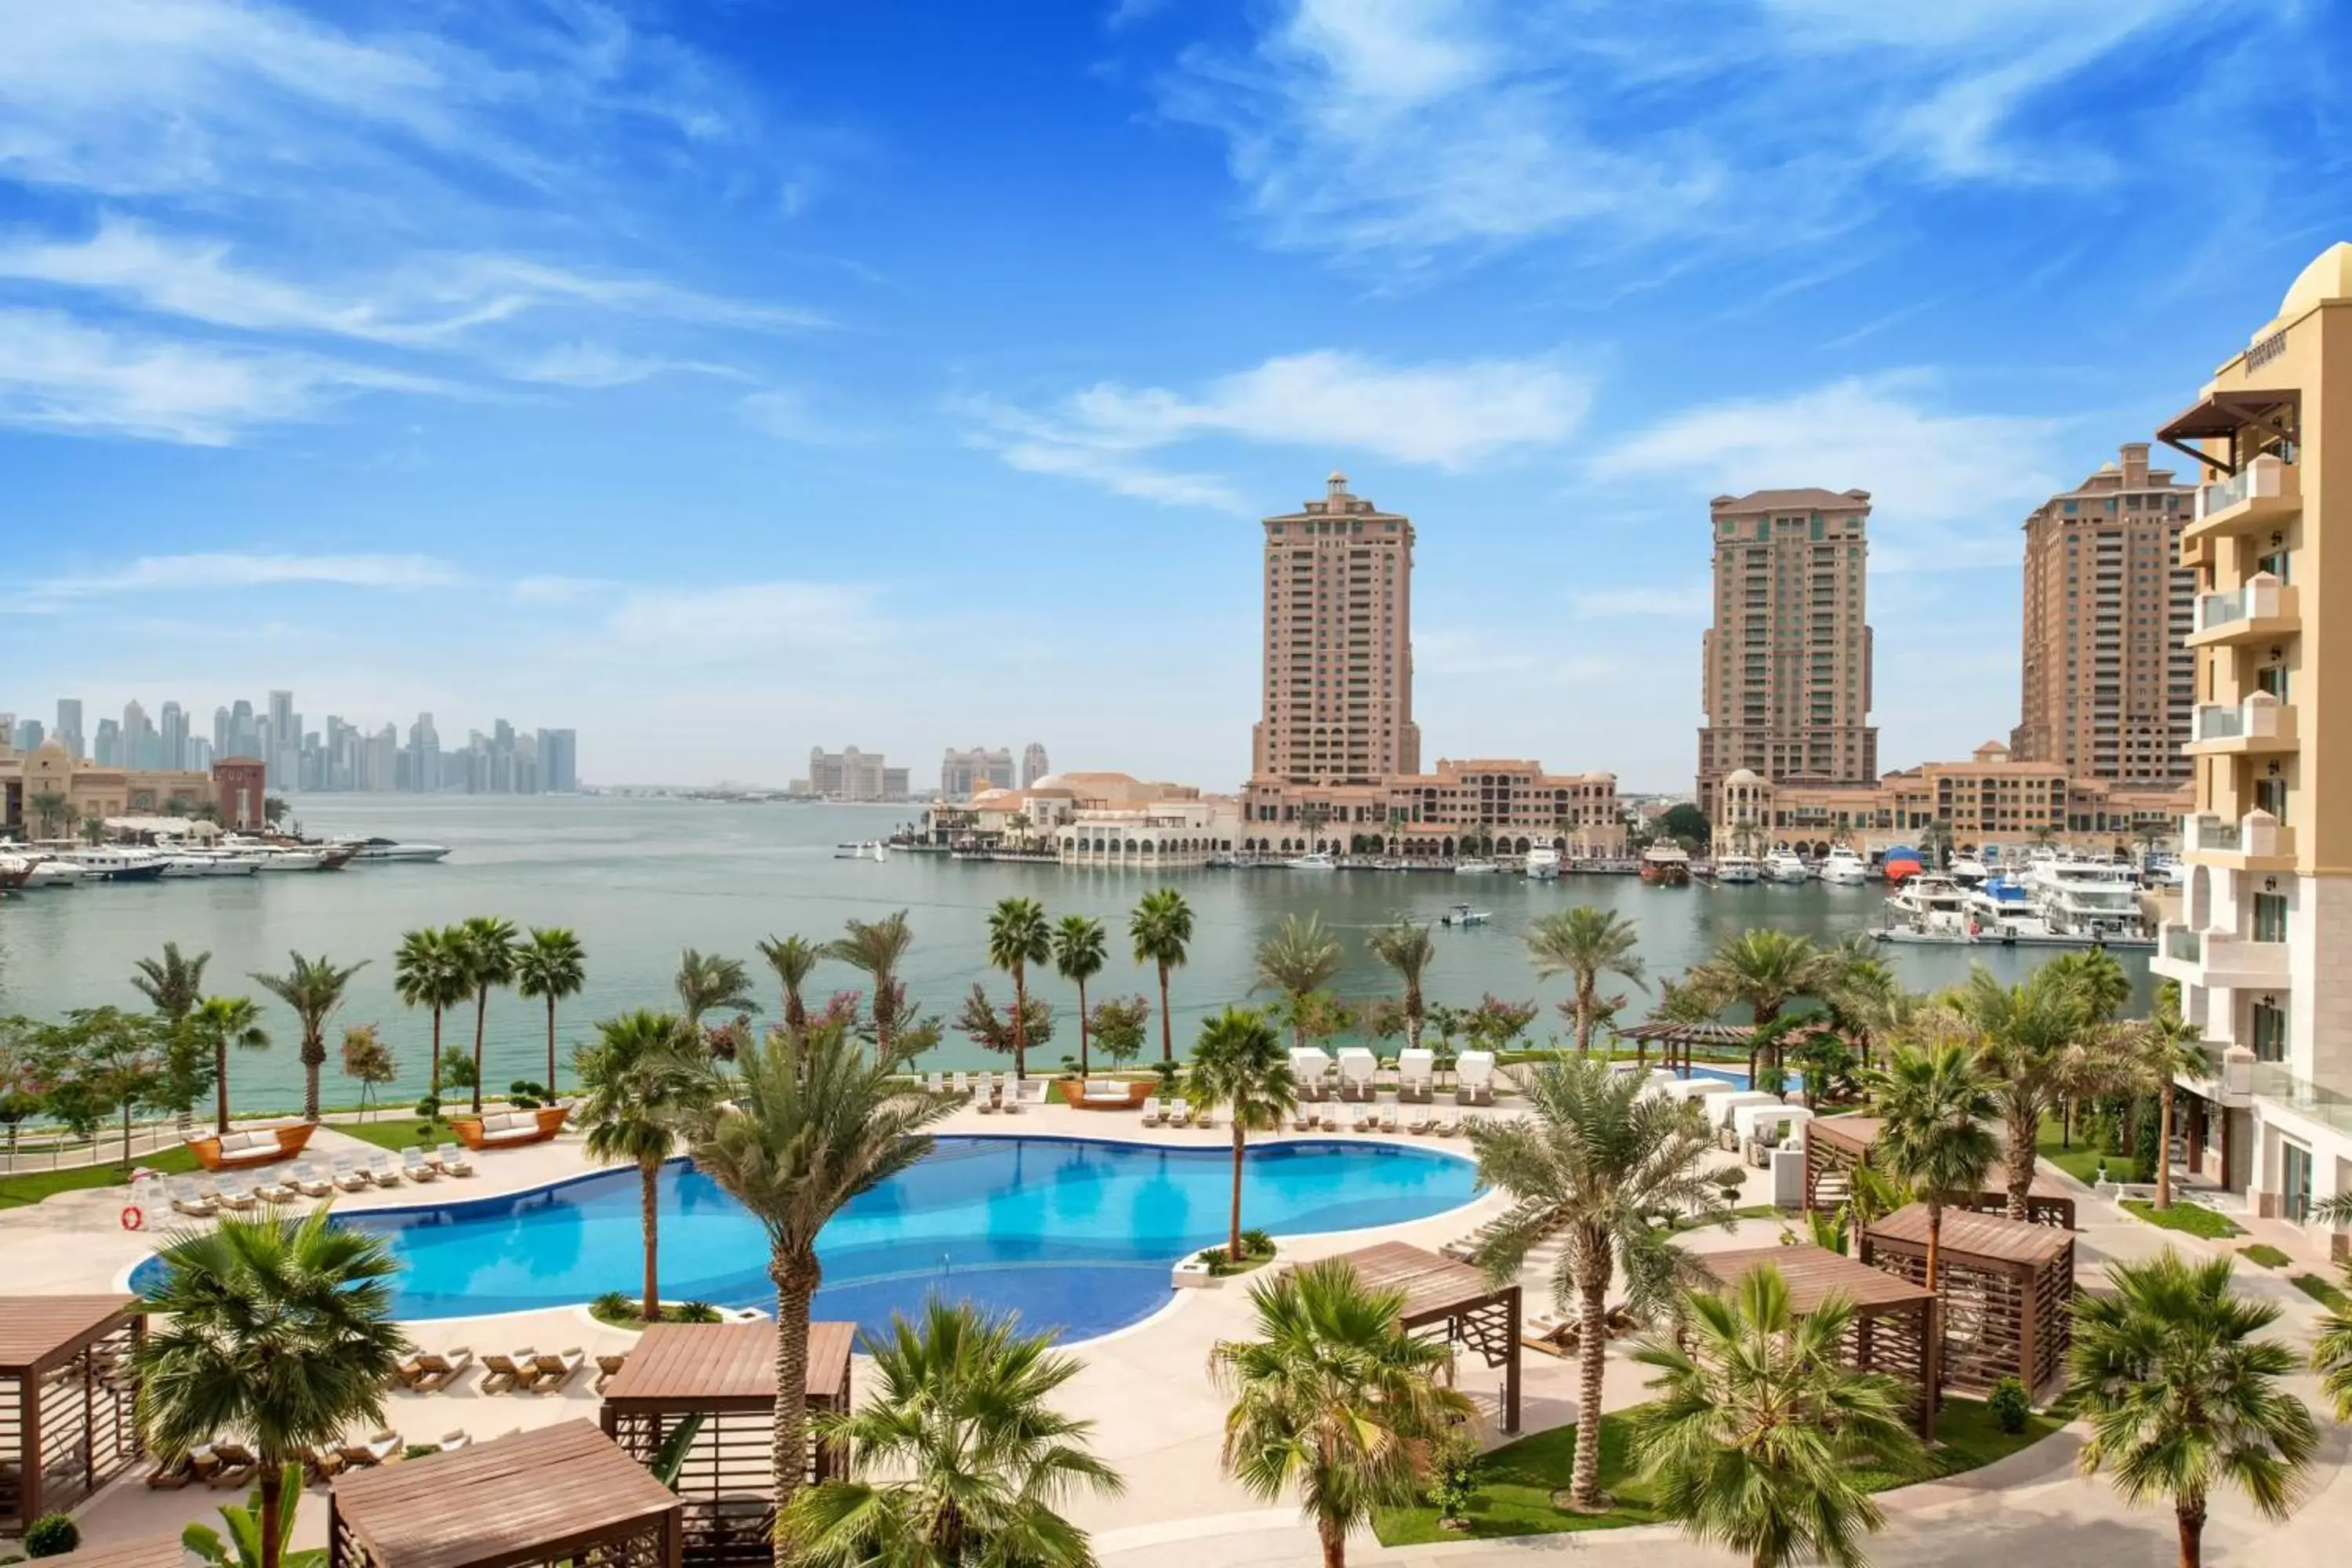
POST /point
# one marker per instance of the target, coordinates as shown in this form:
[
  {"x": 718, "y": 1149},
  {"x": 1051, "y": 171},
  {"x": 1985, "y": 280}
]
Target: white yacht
[
  {"x": 1929, "y": 907},
  {"x": 1968, "y": 870},
  {"x": 2092, "y": 900},
  {"x": 116, "y": 863},
  {"x": 1783, "y": 866},
  {"x": 1844, "y": 869},
  {"x": 1738, "y": 869},
  {"x": 290, "y": 860},
  {"x": 1474, "y": 868},
  {"x": 1543, "y": 864},
  {"x": 391, "y": 850},
  {"x": 1319, "y": 860},
  {"x": 42, "y": 872}
]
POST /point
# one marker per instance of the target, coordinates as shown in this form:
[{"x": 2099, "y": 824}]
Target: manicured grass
[
  {"x": 2186, "y": 1218},
  {"x": 32, "y": 1186},
  {"x": 1517, "y": 1481},
  {"x": 398, "y": 1132},
  {"x": 2080, "y": 1161},
  {"x": 2322, "y": 1292},
  {"x": 2263, "y": 1253},
  {"x": 626, "y": 1311}
]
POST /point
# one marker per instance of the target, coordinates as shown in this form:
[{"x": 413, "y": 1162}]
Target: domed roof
[
  {"x": 1741, "y": 776},
  {"x": 2329, "y": 276}
]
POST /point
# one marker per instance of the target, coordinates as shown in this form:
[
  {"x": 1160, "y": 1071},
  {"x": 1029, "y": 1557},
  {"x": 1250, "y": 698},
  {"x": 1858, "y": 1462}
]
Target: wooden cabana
[
  {"x": 1834, "y": 1145},
  {"x": 721, "y": 1378},
  {"x": 560, "y": 1494},
  {"x": 1894, "y": 1329},
  {"x": 2008, "y": 1291},
  {"x": 1675, "y": 1040},
  {"x": 66, "y": 1394},
  {"x": 1476, "y": 1314},
  {"x": 149, "y": 1551}
]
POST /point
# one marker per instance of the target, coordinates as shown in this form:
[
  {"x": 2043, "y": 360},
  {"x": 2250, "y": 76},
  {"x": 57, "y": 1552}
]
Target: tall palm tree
[
  {"x": 2097, "y": 977},
  {"x": 1406, "y": 948},
  {"x": 1767, "y": 969},
  {"x": 2163, "y": 1046},
  {"x": 709, "y": 982},
  {"x": 486, "y": 944},
  {"x": 551, "y": 966},
  {"x": 958, "y": 1454},
  {"x": 1018, "y": 937},
  {"x": 2331, "y": 1350},
  {"x": 2182, "y": 1398},
  {"x": 645, "y": 1083},
  {"x": 1079, "y": 957},
  {"x": 1238, "y": 1062},
  {"x": 792, "y": 959},
  {"x": 810, "y": 1125},
  {"x": 173, "y": 982},
  {"x": 1299, "y": 958},
  {"x": 429, "y": 970},
  {"x": 875, "y": 948},
  {"x": 1933, "y": 1107},
  {"x": 1161, "y": 927},
  {"x": 49, "y": 808},
  {"x": 1585, "y": 943},
  {"x": 275, "y": 1331},
  {"x": 2026, "y": 1035},
  {"x": 1333, "y": 1398},
  {"x": 1761, "y": 1432},
  {"x": 314, "y": 988},
  {"x": 1597, "y": 1163},
  {"x": 221, "y": 1022}
]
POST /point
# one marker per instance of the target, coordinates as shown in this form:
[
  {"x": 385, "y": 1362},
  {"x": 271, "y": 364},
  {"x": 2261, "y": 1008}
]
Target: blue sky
[{"x": 723, "y": 377}]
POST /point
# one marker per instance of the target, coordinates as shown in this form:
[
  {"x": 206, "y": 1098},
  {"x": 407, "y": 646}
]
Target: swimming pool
[{"x": 1075, "y": 1234}]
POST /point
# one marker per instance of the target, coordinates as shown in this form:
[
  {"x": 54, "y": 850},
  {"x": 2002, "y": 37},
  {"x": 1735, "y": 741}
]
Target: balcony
[
  {"x": 2271, "y": 1081},
  {"x": 2264, "y": 494},
  {"x": 2262, "y": 723},
  {"x": 2256, "y": 842},
  {"x": 2264, "y": 610}
]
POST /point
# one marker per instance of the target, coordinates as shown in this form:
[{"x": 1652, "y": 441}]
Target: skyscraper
[
  {"x": 244, "y": 734},
  {"x": 1785, "y": 670},
  {"x": 141, "y": 745},
  {"x": 559, "y": 761},
  {"x": 423, "y": 755},
  {"x": 1338, "y": 644},
  {"x": 967, "y": 773},
  {"x": 1033, "y": 765},
  {"x": 107, "y": 752},
  {"x": 285, "y": 752},
  {"x": 69, "y": 726},
  {"x": 2108, "y": 686},
  {"x": 172, "y": 737},
  {"x": 27, "y": 736}
]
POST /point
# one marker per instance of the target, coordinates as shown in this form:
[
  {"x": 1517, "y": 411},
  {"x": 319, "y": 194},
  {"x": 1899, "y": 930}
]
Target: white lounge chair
[
  {"x": 382, "y": 1170},
  {"x": 234, "y": 1194},
  {"x": 310, "y": 1181},
  {"x": 452, "y": 1161},
  {"x": 416, "y": 1167},
  {"x": 1301, "y": 1119},
  {"x": 1151, "y": 1110},
  {"x": 935, "y": 1083},
  {"x": 1388, "y": 1116},
  {"x": 187, "y": 1199},
  {"x": 960, "y": 1085},
  {"x": 276, "y": 1189},
  {"x": 1359, "y": 1120},
  {"x": 349, "y": 1176}
]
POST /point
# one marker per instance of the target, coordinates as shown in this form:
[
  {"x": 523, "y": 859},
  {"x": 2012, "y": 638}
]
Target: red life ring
[{"x": 133, "y": 1217}]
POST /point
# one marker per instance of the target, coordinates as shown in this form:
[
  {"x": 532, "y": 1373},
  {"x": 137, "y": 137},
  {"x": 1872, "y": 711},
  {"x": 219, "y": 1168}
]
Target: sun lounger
[
  {"x": 276, "y": 1189},
  {"x": 452, "y": 1441},
  {"x": 1151, "y": 1110},
  {"x": 960, "y": 1085},
  {"x": 553, "y": 1371},
  {"x": 372, "y": 1450},
  {"x": 986, "y": 1094},
  {"x": 187, "y": 1199},
  {"x": 320, "y": 1465},
  {"x": 433, "y": 1372},
  {"x": 452, "y": 1161},
  {"x": 1448, "y": 1124},
  {"x": 1420, "y": 1124},
  {"x": 381, "y": 1169},
  {"x": 1389, "y": 1117},
  {"x": 349, "y": 1176},
  {"x": 171, "y": 1475},
  {"x": 1360, "y": 1119},
  {"x": 309, "y": 1180},
  {"x": 416, "y": 1167},
  {"x": 234, "y": 1194},
  {"x": 237, "y": 1467},
  {"x": 1028, "y": 1092},
  {"x": 508, "y": 1372},
  {"x": 608, "y": 1367}
]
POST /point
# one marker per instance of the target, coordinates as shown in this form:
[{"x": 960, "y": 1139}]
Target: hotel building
[
  {"x": 1785, "y": 669},
  {"x": 90, "y": 792},
  {"x": 854, "y": 776},
  {"x": 2109, "y": 684},
  {"x": 2259, "y": 949}
]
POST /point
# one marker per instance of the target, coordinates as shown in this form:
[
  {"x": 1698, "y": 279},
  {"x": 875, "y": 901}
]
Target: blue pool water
[{"x": 1076, "y": 1235}]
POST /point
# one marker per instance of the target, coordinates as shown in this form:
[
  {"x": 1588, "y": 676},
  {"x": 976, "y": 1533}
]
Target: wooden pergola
[
  {"x": 67, "y": 1396},
  {"x": 1894, "y": 1330},
  {"x": 1477, "y": 1314},
  {"x": 1834, "y": 1145},
  {"x": 150, "y": 1552},
  {"x": 1675, "y": 1040},
  {"x": 720, "y": 1378},
  {"x": 560, "y": 1494},
  {"x": 2008, "y": 1292}
]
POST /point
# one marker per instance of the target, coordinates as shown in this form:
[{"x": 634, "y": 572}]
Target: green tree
[
  {"x": 1683, "y": 820},
  {"x": 276, "y": 1331},
  {"x": 173, "y": 982},
  {"x": 1766, "y": 969},
  {"x": 1761, "y": 1433},
  {"x": 1238, "y": 1063},
  {"x": 217, "y": 1023},
  {"x": 1600, "y": 1165},
  {"x": 1079, "y": 957},
  {"x": 1404, "y": 946},
  {"x": 368, "y": 1061},
  {"x": 1162, "y": 928},
  {"x": 429, "y": 970},
  {"x": 711, "y": 983},
  {"x": 1332, "y": 1399},
  {"x": 314, "y": 989},
  {"x": 646, "y": 1083},
  {"x": 792, "y": 960},
  {"x": 2029, "y": 1039},
  {"x": 1299, "y": 959},
  {"x": 1585, "y": 943},
  {"x": 2097, "y": 976},
  {"x": 1933, "y": 1107},
  {"x": 49, "y": 808},
  {"x": 957, "y": 1454},
  {"x": 810, "y": 1124},
  {"x": 2161, "y": 1047},
  {"x": 2331, "y": 1350},
  {"x": 486, "y": 946},
  {"x": 1018, "y": 937},
  {"x": 1119, "y": 1026},
  {"x": 2183, "y": 1398},
  {"x": 986, "y": 1025},
  {"x": 241, "y": 1548},
  {"x": 876, "y": 949},
  {"x": 102, "y": 1061},
  {"x": 551, "y": 966}
]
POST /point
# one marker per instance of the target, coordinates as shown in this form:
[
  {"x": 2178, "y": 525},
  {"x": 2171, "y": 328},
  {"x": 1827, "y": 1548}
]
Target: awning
[{"x": 2225, "y": 414}]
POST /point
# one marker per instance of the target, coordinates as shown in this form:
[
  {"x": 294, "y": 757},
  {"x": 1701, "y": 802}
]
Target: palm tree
[
  {"x": 1018, "y": 937},
  {"x": 875, "y": 948},
  {"x": 274, "y": 1329},
  {"x": 2331, "y": 1352},
  {"x": 792, "y": 959},
  {"x": 1332, "y": 1397},
  {"x": 2026, "y": 1038},
  {"x": 1586, "y": 943},
  {"x": 1762, "y": 1432},
  {"x": 314, "y": 989},
  {"x": 1079, "y": 957},
  {"x": 1933, "y": 1107},
  {"x": 173, "y": 983},
  {"x": 2181, "y": 1396},
  {"x": 49, "y": 808},
  {"x": 1162, "y": 927},
  {"x": 811, "y": 1125},
  {"x": 2097, "y": 977},
  {"x": 1238, "y": 1062},
  {"x": 709, "y": 983},
  {"x": 552, "y": 965},
  {"x": 644, "y": 1082},
  {"x": 958, "y": 1455},
  {"x": 1298, "y": 960},
  {"x": 221, "y": 1022},
  {"x": 1406, "y": 948},
  {"x": 1766, "y": 969},
  {"x": 487, "y": 945},
  {"x": 1598, "y": 1163},
  {"x": 2163, "y": 1046},
  {"x": 429, "y": 970}
]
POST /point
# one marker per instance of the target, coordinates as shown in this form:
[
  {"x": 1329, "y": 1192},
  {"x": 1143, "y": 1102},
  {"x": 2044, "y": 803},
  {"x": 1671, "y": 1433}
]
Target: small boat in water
[
  {"x": 391, "y": 850},
  {"x": 1463, "y": 915},
  {"x": 1668, "y": 865},
  {"x": 1476, "y": 868},
  {"x": 1316, "y": 861},
  {"x": 113, "y": 863},
  {"x": 1738, "y": 869},
  {"x": 1844, "y": 869},
  {"x": 1784, "y": 865},
  {"x": 1543, "y": 864}
]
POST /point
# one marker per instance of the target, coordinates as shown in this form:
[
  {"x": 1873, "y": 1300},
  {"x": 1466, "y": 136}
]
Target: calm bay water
[{"x": 639, "y": 879}]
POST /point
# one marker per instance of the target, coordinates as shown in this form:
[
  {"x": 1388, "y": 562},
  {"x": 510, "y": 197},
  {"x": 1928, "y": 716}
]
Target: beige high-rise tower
[
  {"x": 2108, "y": 686},
  {"x": 1786, "y": 677},
  {"x": 1338, "y": 644}
]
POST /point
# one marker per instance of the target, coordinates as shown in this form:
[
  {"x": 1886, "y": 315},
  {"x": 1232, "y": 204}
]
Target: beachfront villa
[{"x": 1109, "y": 819}]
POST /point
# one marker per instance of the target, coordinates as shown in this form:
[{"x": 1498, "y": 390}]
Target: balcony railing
[
  {"x": 2263, "y": 479},
  {"x": 2264, "y": 598},
  {"x": 2259, "y": 717},
  {"x": 2257, "y": 833},
  {"x": 2184, "y": 945},
  {"x": 2330, "y": 1107}
]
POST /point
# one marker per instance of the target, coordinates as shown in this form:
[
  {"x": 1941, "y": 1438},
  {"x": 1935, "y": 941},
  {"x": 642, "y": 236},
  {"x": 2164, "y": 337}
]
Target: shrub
[
  {"x": 2321, "y": 1291},
  {"x": 2007, "y": 1406},
  {"x": 51, "y": 1535},
  {"x": 696, "y": 1312},
  {"x": 1454, "y": 1479},
  {"x": 420, "y": 1450},
  {"x": 2147, "y": 1140},
  {"x": 614, "y": 1304},
  {"x": 1215, "y": 1258},
  {"x": 1256, "y": 1243},
  {"x": 429, "y": 1108}
]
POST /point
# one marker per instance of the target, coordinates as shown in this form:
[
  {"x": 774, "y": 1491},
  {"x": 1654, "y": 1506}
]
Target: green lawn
[
  {"x": 398, "y": 1132},
  {"x": 2186, "y": 1218},
  {"x": 32, "y": 1186},
  {"x": 2263, "y": 1253},
  {"x": 2080, "y": 1161},
  {"x": 1518, "y": 1480},
  {"x": 2321, "y": 1291}
]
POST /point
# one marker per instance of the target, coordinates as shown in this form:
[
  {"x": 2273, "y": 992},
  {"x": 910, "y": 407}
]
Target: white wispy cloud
[
  {"x": 595, "y": 365},
  {"x": 179, "y": 573},
  {"x": 1693, "y": 603},
  {"x": 736, "y": 621}
]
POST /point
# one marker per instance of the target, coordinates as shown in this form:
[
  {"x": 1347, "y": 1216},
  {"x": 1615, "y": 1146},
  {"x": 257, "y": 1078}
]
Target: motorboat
[
  {"x": 1474, "y": 868},
  {"x": 391, "y": 850},
  {"x": 2092, "y": 900},
  {"x": 865, "y": 849},
  {"x": 1929, "y": 907},
  {"x": 1463, "y": 915},
  {"x": 1784, "y": 865},
  {"x": 1842, "y": 868},
  {"x": 40, "y": 871},
  {"x": 1319, "y": 860},
  {"x": 116, "y": 863},
  {"x": 1391, "y": 863},
  {"x": 1543, "y": 864},
  {"x": 1968, "y": 870},
  {"x": 1668, "y": 865},
  {"x": 290, "y": 860},
  {"x": 1738, "y": 869}
]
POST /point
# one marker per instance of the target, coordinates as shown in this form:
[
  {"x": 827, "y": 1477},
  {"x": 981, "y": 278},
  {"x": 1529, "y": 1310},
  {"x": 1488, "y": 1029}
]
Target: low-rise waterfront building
[
  {"x": 75, "y": 792},
  {"x": 1472, "y": 806}
]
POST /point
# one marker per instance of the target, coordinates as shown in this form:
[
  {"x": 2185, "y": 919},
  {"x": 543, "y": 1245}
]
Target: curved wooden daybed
[
  {"x": 242, "y": 1148},
  {"x": 508, "y": 1129},
  {"x": 1097, "y": 1094}
]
